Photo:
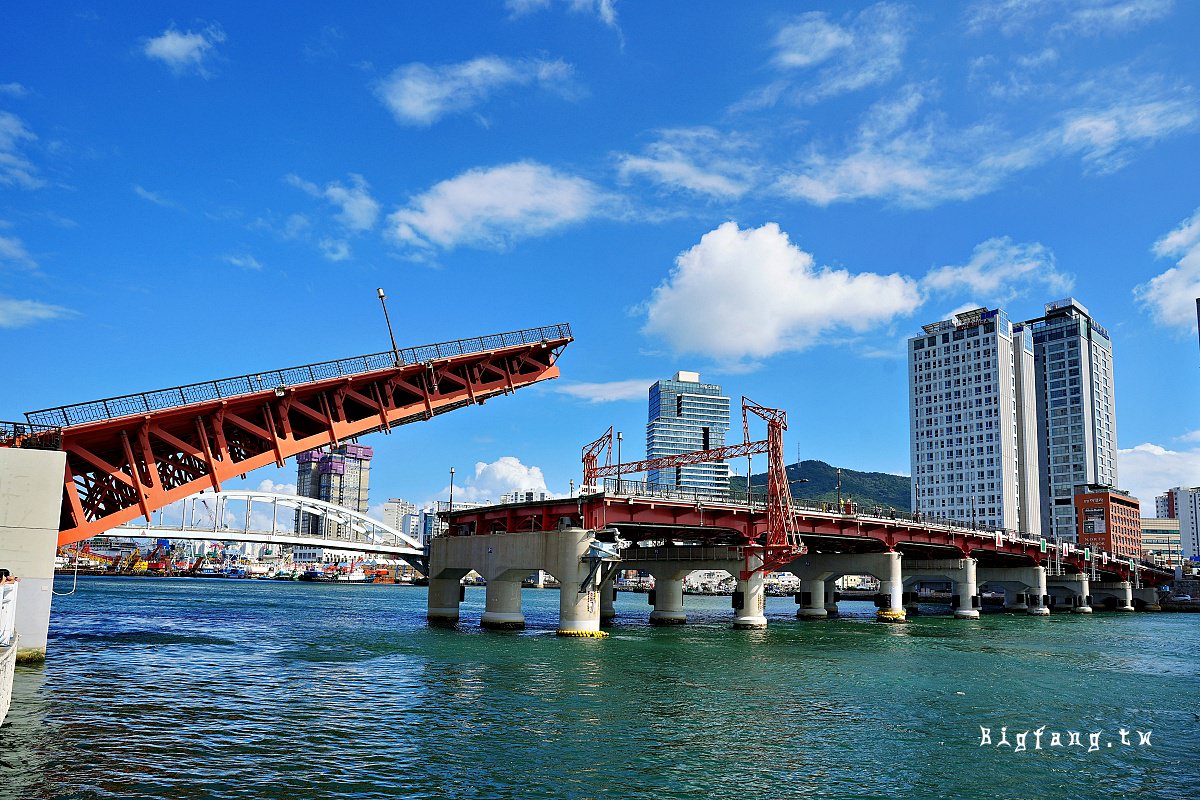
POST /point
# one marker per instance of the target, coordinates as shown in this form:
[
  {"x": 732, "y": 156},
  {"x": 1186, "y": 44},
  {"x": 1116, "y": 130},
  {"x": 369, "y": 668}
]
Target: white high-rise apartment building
[
  {"x": 1187, "y": 511},
  {"x": 972, "y": 432},
  {"x": 1076, "y": 411},
  {"x": 401, "y": 515}
]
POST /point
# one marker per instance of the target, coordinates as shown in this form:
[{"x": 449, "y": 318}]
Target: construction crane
[{"x": 782, "y": 542}]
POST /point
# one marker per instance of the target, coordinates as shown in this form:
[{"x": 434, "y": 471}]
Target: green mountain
[{"x": 867, "y": 488}]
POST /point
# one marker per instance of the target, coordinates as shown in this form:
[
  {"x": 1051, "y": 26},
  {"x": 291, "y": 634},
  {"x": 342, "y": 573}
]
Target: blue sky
[{"x": 774, "y": 194}]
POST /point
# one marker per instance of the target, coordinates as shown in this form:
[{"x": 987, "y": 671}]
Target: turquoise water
[{"x": 192, "y": 688}]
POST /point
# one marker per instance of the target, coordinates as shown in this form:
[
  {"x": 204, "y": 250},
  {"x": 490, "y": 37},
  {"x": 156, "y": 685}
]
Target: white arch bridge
[{"x": 269, "y": 518}]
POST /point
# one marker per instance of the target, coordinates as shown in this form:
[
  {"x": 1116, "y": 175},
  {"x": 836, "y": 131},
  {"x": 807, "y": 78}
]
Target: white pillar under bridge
[
  {"x": 1024, "y": 588},
  {"x": 961, "y": 572},
  {"x": 31, "y": 492},
  {"x": 570, "y": 554},
  {"x": 825, "y": 568}
]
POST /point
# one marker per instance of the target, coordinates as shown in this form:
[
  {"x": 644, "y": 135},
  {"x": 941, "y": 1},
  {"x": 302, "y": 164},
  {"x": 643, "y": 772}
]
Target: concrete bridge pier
[
  {"x": 891, "y": 587},
  {"x": 608, "y": 598},
  {"x": 1147, "y": 599},
  {"x": 1071, "y": 591},
  {"x": 812, "y": 600},
  {"x": 1114, "y": 596},
  {"x": 831, "y": 593},
  {"x": 31, "y": 493},
  {"x": 668, "y": 597},
  {"x": 502, "y": 603},
  {"x": 1024, "y": 587},
  {"x": 578, "y": 597},
  {"x": 829, "y": 567},
  {"x": 961, "y": 572},
  {"x": 750, "y": 598},
  {"x": 445, "y": 593},
  {"x": 505, "y": 558}
]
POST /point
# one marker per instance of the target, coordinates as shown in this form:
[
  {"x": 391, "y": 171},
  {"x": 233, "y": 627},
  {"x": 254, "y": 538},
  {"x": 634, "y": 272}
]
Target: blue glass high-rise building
[{"x": 687, "y": 415}]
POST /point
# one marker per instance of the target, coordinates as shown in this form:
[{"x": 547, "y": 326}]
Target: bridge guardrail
[
  {"x": 626, "y": 488},
  {"x": 30, "y": 436},
  {"x": 158, "y": 399}
]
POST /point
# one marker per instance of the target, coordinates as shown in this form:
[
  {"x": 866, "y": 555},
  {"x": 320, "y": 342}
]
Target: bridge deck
[{"x": 643, "y": 515}]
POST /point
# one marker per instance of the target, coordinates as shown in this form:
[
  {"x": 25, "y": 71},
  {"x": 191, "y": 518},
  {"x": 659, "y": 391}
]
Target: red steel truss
[
  {"x": 782, "y": 543},
  {"x": 128, "y": 466}
]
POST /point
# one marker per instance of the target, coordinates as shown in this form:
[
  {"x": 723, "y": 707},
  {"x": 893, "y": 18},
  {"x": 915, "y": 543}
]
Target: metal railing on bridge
[
  {"x": 849, "y": 508},
  {"x": 156, "y": 400},
  {"x": 30, "y": 436}
]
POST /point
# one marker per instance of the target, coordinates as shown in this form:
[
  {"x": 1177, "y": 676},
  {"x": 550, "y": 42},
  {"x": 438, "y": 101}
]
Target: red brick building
[{"x": 1109, "y": 519}]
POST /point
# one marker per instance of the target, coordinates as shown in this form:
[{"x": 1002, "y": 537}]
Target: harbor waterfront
[{"x": 197, "y": 688}]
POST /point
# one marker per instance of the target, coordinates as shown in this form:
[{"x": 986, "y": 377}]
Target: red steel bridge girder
[
  {"x": 127, "y": 467},
  {"x": 655, "y": 518}
]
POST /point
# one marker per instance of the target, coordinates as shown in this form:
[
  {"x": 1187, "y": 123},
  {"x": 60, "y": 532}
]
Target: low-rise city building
[
  {"x": 1160, "y": 541},
  {"x": 1108, "y": 519}
]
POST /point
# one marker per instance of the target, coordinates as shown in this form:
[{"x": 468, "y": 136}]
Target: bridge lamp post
[
  {"x": 452, "y": 489},
  {"x": 387, "y": 319},
  {"x": 619, "y": 437}
]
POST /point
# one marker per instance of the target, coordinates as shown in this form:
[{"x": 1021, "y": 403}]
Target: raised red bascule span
[{"x": 131, "y": 455}]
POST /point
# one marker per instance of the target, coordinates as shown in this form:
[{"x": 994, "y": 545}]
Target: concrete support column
[
  {"x": 578, "y": 612},
  {"x": 831, "y": 608},
  {"x": 751, "y": 596},
  {"x": 444, "y": 596},
  {"x": 812, "y": 600},
  {"x": 1125, "y": 603},
  {"x": 1148, "y": 597},
  {"x": 1038, "y": 595},
  {"x": 502, "y": 610},
  {"x": 967, "y": 588},
  {"x": 891, "y": 586},
  {"x": 31, "y": 491},
  {"x": 1084, "y": 605},
  {"x": 608, "y": 598},
  {"x": 1016, "y": 599},
  {"x": 668, "y": 601}
]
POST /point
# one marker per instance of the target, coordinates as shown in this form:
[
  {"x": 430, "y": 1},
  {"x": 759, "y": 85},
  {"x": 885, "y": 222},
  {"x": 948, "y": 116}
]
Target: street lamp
[
  {"x": 619, "y": 437},
  {"x": 452, "y": 489},
  {"x": 839, "y": 489},
  {"x": 395, "y": 350}
]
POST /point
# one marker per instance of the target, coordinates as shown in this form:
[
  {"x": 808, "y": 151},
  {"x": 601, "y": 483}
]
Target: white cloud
[
  {"x": 1000, "y": 270},
  {"x": 912, "y": 160},
  {"x": 13, "y": 251},
  {"x": 358, "y": 210},
  {"x": 1148, "y": 470},
  {"x": 13, "y": 89},
  {"x": 1170, "y": 297},
  {"x": 493, "y": 207},
  {"x": 1083, "y": 17},
  {"x": 153, "y": 197},
  {"x": 268, "y": 485},
  {"x": 185, "y": 52},
  {"x": 866, "y": 50},
  {"x": 335, "y": 249},
  {"x": 1191, "y": 436},
  {"x": 245, "y": 261},
  {"x": 603, "y": 10},
  {"x": 606, "y": 391},
  {"x": 15, "y": 168},
  {"x": 506, "y": 474},
  {"x": 16, "y": 313},
  {"x": 700, "y": 160},
  {"x": 747, "y": 294},
  {"x": 1106, "y": 137},
  {"x": 418, "y": 94}
]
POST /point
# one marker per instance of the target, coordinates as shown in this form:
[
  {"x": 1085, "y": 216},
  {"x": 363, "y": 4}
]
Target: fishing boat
[
  {"x": 315, "y": 575},
  {"x": 8, "y": 640}
]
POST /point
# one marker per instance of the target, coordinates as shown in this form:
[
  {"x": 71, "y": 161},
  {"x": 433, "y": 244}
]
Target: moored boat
[{"x": 8, "y": 640}]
